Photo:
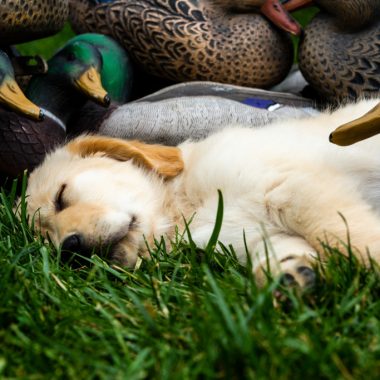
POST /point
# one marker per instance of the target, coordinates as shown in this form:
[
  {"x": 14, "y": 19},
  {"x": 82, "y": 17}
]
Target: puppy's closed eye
[{"x": 59, "y": 199}]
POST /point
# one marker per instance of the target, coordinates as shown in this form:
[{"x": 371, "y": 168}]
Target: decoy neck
[
  {"x": 10, "y": 93},
  {"x": 72, "y": 78}
]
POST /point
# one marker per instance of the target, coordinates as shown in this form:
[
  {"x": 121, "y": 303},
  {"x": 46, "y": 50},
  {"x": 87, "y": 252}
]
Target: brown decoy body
[
  {"x": 340, "y": 52},
  {"x": 213, "y": 40},
  {"x": 22, "y": 21}
]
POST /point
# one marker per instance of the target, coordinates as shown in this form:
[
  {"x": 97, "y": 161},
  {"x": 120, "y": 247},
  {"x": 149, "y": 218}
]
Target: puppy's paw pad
[
  {"x": 306, "y": 276},
  {"x": 287, "y": 279},
  {"x": 298, "y": 276}
]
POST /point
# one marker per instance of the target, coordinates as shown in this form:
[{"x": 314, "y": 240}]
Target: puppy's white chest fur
[{"x": 273, "y": 178}]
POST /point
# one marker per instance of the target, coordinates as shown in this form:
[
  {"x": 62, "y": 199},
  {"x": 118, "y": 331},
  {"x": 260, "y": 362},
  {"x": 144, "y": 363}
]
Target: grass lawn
[{"x": 186, "y": 314}]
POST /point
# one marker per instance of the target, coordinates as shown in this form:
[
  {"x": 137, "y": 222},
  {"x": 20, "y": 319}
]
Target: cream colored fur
[{"x": 284, "y": 187}]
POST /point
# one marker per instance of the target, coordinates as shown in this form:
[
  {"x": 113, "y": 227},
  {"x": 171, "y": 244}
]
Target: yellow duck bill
[
  {"x": 91, "y": 85},
  {"x": 12, "y": 96},
  {"x": 366, "y": 126}
]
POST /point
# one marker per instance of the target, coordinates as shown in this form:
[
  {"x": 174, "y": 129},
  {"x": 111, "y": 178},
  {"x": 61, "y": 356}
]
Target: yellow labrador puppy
[{"x": 285, "y": 189}]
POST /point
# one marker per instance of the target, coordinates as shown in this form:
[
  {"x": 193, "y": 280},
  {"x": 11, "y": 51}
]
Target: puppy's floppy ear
[{"x": 165, "y": 160}]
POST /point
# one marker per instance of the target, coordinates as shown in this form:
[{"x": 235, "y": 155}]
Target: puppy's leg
[
  {"x": 285, "y": 256},
  {"x": 312, "y": 206}
]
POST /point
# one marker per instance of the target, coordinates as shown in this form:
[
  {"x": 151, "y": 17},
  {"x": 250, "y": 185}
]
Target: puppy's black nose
[{"x": 72, "y": 243}]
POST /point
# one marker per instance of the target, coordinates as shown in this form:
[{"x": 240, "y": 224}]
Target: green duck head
[
  {"x": 77, "y": 67},
  {"x": 89, "y": 67},
  {"x": 73, "y": 77},
  {"x": 116, "y": 70},
  {"x": 11, "y": 94}
]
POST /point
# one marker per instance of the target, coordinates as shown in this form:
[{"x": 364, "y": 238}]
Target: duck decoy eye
[
  {"x": 71, "y": 57},
  {"x": 59, "y": 201}
]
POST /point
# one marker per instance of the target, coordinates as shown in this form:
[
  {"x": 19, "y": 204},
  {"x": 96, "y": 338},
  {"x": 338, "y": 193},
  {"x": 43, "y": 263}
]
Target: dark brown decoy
[
  {"x": 22, "y": 21},
  {"x": 72, "y": 78},
  {"x": 212, "y": 40},
  {"x": 339, "y": 54}
]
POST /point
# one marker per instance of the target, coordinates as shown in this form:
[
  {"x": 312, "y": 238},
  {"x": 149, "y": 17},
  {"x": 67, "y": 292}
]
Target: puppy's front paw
[
  {"x": 299, "y": 274},
  {"x": 293, "y": 271}
]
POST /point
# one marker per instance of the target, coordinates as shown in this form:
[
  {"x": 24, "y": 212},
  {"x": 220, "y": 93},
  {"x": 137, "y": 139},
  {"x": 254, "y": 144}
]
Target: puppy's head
[{"x": 102, "y": 193}]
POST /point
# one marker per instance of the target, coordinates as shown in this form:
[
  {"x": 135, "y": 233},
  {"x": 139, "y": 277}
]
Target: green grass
[
  {"x": 46, "y": 47},
  {"x": 185, "y": 314}
]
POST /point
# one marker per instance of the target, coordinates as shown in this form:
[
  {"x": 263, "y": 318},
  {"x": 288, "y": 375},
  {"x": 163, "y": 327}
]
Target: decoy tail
[
  {"x": 362, "y": 128},
  {"x": 293, "y": 5},
  {"x": 276, "y": 12}
]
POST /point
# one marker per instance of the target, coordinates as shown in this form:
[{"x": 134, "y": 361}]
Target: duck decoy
[
  {"x": 196, "y": 109},
  {"x": 339, "y": 54},
  {"x": 116, "y": 70},
  {"x": 72, "y": 78},
  {"x": 211, "y": 40},
  {"x": 116, "y": 74},
  {"x": 23, "y": 21},
  {"x": 22, "y": 134},
  {"x": 357, "y": 130}
]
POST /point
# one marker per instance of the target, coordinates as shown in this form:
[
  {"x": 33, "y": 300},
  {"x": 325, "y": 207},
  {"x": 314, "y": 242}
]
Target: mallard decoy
[
  {"x": 339, "y": 54},
  {"x": 195, "y": 110},
  {"x": 366, "y": 126},
  {"x": 116, "y": 70},
  {"x": 23, "y": 21},
  {"x": 72, "y": 78},
  {"x": 211, "y": 40},
  {"x": 116, "y": 74},
  {"x": 22, "y": 136}
]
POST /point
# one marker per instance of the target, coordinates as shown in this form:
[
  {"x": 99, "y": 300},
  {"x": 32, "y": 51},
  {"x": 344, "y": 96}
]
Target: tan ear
[{"x": 165, "y": 160}]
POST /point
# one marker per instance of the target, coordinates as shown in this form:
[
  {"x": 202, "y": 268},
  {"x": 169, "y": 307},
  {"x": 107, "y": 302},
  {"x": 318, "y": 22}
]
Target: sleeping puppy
[{"x": 285, "y": 189}]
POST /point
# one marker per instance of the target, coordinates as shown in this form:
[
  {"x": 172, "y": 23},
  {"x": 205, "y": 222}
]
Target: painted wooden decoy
[
  {"x": 23, "y": 21},
  {"x": 116, "y": 74},
  {"x": 339, "y": 54},
  {"x": 116, "y": 70},
  {"x": 23, "y": 137},
  {"x": 72, "y": 78},
  {"x": 213, "y": 40},
  {"x": 196, "y": 109}
]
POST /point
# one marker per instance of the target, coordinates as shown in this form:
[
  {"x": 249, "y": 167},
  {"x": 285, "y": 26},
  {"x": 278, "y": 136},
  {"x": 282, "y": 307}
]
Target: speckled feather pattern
[
  {"x": 191, "y": 40},
  {"x": 23, "y": 20}
]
